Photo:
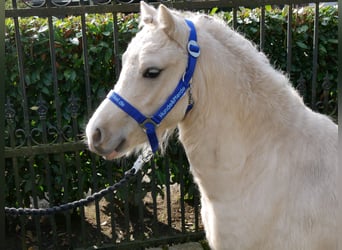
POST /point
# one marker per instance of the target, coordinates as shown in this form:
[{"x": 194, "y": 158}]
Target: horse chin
[
  {"x": 118, "y": 152},
  {"x": 124, "y": 150},
  {"x": 113, "y": 155}
]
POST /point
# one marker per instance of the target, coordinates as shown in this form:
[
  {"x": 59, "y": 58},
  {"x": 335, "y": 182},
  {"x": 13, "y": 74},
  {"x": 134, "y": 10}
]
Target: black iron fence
[{"x": 45, "y": 160}]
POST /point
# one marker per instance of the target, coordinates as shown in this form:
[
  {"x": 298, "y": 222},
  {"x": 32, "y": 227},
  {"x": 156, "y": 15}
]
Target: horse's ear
[
  {"x": 171, "y": 24},
  {"x": 166, "y": 20},
  {"x": 147, "y": 13}
]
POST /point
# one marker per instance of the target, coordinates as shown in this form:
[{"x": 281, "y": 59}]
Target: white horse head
[
  {"x": 153, "y": 64},
  {"x": 265, "y": 164}
]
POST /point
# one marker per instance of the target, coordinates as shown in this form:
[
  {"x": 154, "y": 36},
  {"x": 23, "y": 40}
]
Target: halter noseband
[{"x": 149, "y": 124}]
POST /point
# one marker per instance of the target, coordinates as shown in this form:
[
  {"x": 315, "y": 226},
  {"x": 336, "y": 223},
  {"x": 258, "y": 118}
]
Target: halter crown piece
[{"x": 149, "y": 124}]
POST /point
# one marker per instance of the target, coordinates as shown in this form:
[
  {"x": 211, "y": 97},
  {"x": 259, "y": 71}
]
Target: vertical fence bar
[
  {"x": 154, "y": 199},
  {"x": 126, "y": 204},
  {"x": 289, "y": 41},
  {"x": 35, "y": 202},
  {"x": 314, "y": 59},
  {"x": 10, "y": 128},
  {"x": 57, "y": 105},
  {"x": 196, "y": 208},
  {"x": 168, "y": 191},
  {"x": 74, "y": 109},
  {"x": 42, "y": 110},
  {"x": 140, "y": 221},
  {"x": 339, "y": 86},
  {"x": 182, "y": 204},
  {"x": 26, "y": 124},
  {"x": 10, "y": 119},
  {"x": 2, "y": 124},
  {"x": 326, "y": 85},
  {"x": 110, "y": 166},
  {"x": 89, "y": 112},
  {"x": 111, "y": 200},
  {"x": 86, "y": 65},
  {"x": 116, "y": 46},
  {"x": 262, "y": 28},
  {"x": 235, "y": 18},
  {"x": 95, "y": 189}
]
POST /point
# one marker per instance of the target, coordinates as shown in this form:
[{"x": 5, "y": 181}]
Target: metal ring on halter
[
  {"x": 148, "y": 120},
  {"x": 193, "y": 44}
]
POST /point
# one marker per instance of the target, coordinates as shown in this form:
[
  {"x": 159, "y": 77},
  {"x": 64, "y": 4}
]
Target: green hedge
[
  {"x": 102, "y": 63},
  {"x": 302, "y": 47}
]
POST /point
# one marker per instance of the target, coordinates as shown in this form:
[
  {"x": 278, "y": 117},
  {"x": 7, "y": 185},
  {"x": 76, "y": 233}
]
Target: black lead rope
[{"x": 83, "y": 202}]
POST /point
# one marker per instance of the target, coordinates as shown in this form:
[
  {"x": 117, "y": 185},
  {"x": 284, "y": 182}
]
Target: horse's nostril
[{"x": 97, "y": 136}]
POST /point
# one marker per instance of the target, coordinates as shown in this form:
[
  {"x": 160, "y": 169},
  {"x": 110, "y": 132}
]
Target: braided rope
[{"x": 82, "y": 202}]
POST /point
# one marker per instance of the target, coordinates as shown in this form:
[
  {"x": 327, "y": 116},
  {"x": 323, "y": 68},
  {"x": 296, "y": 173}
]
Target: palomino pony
[{"x": 265, "y": 164}]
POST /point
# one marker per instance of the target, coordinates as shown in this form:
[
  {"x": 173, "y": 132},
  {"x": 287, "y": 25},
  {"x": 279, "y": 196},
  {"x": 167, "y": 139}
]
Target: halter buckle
[{"x": 193, "y": 48}]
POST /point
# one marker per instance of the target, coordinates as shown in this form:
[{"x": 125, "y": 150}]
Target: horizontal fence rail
[{"x": 62, "y": 57}]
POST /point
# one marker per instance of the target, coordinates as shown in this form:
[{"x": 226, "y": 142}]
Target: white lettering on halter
[
  {"x": 172, "y": 102},
  {"x": 118, "y": 100}
]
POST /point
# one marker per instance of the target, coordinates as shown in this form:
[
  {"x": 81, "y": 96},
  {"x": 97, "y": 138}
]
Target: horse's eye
[{"x": 152, "y": 73}]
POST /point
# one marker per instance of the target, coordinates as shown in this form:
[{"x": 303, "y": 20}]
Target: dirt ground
[
  {"x": 164, "y": 228},
  {"x": 95, "y": 236}
]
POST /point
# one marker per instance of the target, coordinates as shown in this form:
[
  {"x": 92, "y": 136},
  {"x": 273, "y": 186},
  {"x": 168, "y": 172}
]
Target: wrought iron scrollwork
[
  {"x": 10, "y": 119},
  {"x": 63, "y": 3},
  {"x": 34, "y": 3},
  {"x": 37, "y": 133},
  {"x": 67, "y": 133},
  {"x": 9, "y": 111},
  {"x": 74, "y": 106},
  {"x": 327, "y": 100},
  {"x": 41, "y": 130},
  {"x": 42, "y": 108},
  {"x": 99, "y": 2},
  {"x": 327, "y": 84},
  {"x": 16, "y": 137}
]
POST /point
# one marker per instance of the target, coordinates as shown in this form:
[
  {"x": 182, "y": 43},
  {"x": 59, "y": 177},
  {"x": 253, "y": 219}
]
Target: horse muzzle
[{"x": 102, "y": 143}]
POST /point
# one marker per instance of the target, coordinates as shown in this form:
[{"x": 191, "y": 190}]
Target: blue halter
[{"x": 149, "y": 124}]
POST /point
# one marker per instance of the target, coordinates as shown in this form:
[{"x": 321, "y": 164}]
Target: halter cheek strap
[{"x": 149, "y": 124}]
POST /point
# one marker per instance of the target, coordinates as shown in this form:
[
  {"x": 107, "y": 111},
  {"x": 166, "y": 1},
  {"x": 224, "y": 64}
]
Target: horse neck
[{"x": 235, "y": 91}]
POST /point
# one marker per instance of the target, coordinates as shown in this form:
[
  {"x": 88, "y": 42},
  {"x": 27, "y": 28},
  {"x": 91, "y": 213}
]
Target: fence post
[{"x": 2, "y": 124}]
